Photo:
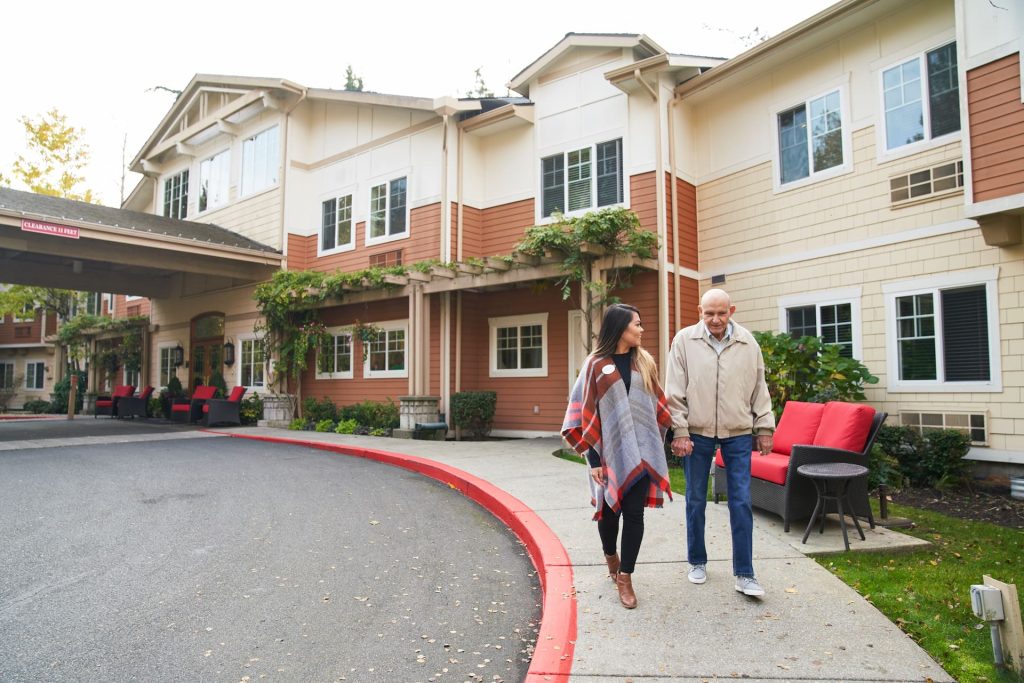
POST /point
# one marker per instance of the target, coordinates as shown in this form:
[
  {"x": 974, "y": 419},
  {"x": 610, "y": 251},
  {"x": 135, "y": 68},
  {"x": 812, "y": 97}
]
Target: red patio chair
[
  {"x": 192, "y": 409},
  {"x": 135, "y": 406},
  {"x": 107, "y": 405},
  {"x": 224, "y": 410}
]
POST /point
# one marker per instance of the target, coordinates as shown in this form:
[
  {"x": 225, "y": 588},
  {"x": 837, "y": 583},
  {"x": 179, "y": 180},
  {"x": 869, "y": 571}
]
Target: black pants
[{"x": 632, "y": 512}]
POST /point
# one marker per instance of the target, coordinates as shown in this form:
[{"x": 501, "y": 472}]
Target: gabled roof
[{"x": 644, "y": 46}]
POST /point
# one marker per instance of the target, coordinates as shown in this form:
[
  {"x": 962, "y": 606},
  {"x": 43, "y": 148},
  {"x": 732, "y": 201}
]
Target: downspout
[
  {"x": 444, "y": 329},
  {"x": 677, "y": 308},
  {"x": 284, "y": 170}
]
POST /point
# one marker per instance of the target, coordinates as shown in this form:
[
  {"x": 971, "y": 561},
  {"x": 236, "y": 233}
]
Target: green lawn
[{"x": 936, "y": 612}]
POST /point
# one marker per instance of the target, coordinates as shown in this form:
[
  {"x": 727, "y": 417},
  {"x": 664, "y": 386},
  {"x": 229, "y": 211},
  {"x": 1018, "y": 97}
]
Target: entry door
[{"x": 207, "y": 357}]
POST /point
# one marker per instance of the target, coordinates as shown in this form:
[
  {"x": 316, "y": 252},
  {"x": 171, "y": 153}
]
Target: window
[
  {"x": 94, "y": 303},
  {"x": 35, "y": 374},
  {"x": 334, "y": 360},
  {"x": 937, "y": 180},
  {"x": 518, "y": 346},
  {"x": 259, "y": 162},
  {"x": 386, "y": 355},
  {"x": 27, "y": 314},
  {"x": 570, "y": 181},
  {"x": 388, "y": 218},
  {"x": 943, "y": 333},
  {"x": 833, "y": 316},
  {"x": 6, "y": 375},
  {"x": 972, "y": 424},
  {"x": 253, "y": 364},
  {"x": 132, "y": 377},
  {"x": 921, "y": 98},
  {"x": 385, "y": 259},
  {"x": 167, "y": 369},
  {"x": 176, "y": 195},
  {"x": 213, "y": 181},
  {"x": 111, "y": 300},
  {"x": 336, "y": 226},
  {"x": 804, "y": 152}
]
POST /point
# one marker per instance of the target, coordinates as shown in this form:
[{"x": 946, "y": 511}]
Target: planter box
[{"x": 278, "y": 410}]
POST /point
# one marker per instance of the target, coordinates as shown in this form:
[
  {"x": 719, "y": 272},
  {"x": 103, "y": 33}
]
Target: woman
[{"x": 617, "y": 418}]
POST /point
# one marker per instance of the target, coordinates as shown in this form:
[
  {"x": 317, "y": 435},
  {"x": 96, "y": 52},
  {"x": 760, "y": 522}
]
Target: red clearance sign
[{"x": 49, "y": 228}]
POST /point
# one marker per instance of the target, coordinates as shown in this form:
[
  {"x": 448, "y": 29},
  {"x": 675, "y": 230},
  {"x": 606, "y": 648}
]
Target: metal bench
[{"x": 430, "y": 431}]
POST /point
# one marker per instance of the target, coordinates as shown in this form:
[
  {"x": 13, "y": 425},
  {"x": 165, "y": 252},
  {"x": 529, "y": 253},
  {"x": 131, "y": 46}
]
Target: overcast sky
[{"x": 102, "y": 63}]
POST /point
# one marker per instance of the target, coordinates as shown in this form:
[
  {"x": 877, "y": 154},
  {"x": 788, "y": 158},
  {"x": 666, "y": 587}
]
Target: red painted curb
[{"x": 556, "y": 639}]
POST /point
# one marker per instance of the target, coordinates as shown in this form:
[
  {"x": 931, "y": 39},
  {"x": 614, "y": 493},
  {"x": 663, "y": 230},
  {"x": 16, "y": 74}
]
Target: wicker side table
[{"x": 832, "y": 479}]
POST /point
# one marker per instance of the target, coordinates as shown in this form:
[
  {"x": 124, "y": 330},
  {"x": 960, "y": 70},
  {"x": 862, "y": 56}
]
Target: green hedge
[{"x": 474, "y": 411}]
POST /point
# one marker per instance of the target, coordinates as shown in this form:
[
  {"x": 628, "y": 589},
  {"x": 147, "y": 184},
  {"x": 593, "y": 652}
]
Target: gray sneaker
[
  {"x": 748, "y": 585},
  {"x": 697, "y": 574}
]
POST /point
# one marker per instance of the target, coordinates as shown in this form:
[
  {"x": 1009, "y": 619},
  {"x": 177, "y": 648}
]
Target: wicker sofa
[{"x": 809, "y": 433}]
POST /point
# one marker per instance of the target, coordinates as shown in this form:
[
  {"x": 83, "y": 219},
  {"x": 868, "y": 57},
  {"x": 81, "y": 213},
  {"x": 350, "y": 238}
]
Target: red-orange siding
[
  {"x": 472, "y": 231},
  {"x": 502, "y": 227},
  {"x": 997, "y": 128}
]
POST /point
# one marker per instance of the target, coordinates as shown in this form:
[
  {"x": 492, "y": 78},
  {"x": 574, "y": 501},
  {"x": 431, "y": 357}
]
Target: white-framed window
[
  {"x": 518, "y": 345},
  {"x": 132, "y": 377},
  {"x": 27, "y": 314},
  {"x": 387, "y": 355},
  {"x": 389, "y": 211},
  {"x": 334, "y": 360},
  {"x": 176, "y": 195},
  {"x": 35, "y": 375},
  {"x": 337, "y": 230},
  {"x": 921, "y": 98},
  {"x": 252, "y": 365},
  {"x": 111, "y": 300},
  {"x": 6, "y": 375},
  {"x": 260, "y": 161},
  {"x": 214, "y": 176},
  {"x": 812, "y": 141},
  {"x": 833, "y": 316},
  {"x": 167, "y": 369},
  {"x": 94, "y": 303},
  {"x": 942, "y": 333},
  {"x": 972, "y": 424},
  {"x": 582, "y": 179}
]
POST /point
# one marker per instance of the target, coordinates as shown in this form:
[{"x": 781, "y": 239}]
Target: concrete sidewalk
[{"x": 809, "y": 626}]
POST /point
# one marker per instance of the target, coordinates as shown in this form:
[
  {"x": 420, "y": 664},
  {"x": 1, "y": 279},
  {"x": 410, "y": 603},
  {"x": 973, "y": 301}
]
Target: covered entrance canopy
[{"x": 52, "y": 242}]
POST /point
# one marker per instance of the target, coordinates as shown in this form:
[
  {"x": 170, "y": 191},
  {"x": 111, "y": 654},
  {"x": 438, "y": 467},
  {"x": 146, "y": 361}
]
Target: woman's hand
[
  {"x": 597, "y": 474},
  {"x": 682, "y": 446}
]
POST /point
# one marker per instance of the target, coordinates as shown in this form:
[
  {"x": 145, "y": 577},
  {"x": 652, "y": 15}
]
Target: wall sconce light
[
  {"x": 179, "y": 356},
  {"x": 229, "y": 354}
]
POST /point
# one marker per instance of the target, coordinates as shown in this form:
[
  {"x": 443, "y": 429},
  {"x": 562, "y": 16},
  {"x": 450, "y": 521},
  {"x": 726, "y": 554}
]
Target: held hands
[
  {"x": 682, "y": 446},
  {"x": 764, "y": 443},
  {"x": 597, "y": 474}
]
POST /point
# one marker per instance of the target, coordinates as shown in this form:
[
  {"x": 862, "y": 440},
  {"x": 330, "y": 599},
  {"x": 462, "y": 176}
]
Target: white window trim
[
  {"x": 370, "y": 241},
  {"x": 17, "y": 317},
  {"x": 518, "y": 321},
  {"x": 343, "y": 332},
  {"x": 125, "y": 378},
  {"x": 226, "y": 199},
  {"x": 28, "y": 375},
  {"x": 132, "y": 297},
  {"x": 159, "y": 352},
  {"x": 188, "y": 191},
  {"x": 381, "y": 374},
  {"x": 847, "y": 137},
  {"x": 851, "y": 295},
  {"x": 242, "y": 338},
  {"x": 931, "y": 284},
  {"x": 350, "y": 192},
  {"x": 111, "y": 301},
  {"x": 884, "y": 154},
  {"x": 564, "y": 149},
  {"x": 11, "y": 375},
  {"x": 241, "y": 171}
]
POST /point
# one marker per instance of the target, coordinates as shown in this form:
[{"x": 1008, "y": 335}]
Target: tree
[
  {"x": 480, "y": 88},
  {"x": 57, "y": 154},
  {"x": 16, "y": 298},
  {"x": 353, "y": 83}
]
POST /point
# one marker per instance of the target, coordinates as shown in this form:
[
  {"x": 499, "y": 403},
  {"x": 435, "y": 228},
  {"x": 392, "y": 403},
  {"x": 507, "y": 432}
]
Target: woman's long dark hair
[{"x": 615, "y": 321}]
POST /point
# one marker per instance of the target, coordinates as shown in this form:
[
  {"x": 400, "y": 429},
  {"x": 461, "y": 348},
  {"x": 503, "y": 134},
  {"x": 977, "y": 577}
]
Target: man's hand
[
  {"x": 764, "y": 443},
  {"x": 597, "y": 474},
  {"x": 682, "y": 446}
]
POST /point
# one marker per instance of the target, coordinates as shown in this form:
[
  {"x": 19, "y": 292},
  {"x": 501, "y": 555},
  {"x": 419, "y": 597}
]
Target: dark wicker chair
[
  {"x": 224, "y": 410},
  {"x": 796, "y": 498},
  {"x": 108, "y": 405},
  {"x": 135, "y": 406}
]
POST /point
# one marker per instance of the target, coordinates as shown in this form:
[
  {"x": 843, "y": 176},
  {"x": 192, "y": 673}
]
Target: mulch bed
[{"x": 977, "y": 503}]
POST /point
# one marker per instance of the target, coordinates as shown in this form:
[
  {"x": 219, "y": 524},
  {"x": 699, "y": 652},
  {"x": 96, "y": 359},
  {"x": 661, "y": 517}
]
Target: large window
[
  {"x": 921, "y": 98},
  {"x": 259, "y": 162},
  {"x": 213, "y": 181},
  {"x": 334, "y": 359},
  {"x": 253, "y": 364},
  {"x": 94, "y": 303},
  {"x": 167, "y": 369},
  {"x": 810, "y": 138},
  {"x": 176, "y": 195},
  {"x": 833, "y": 316},
  {"x": 518, "y": 346},
  {"x": 132, "y": 377},
  {"x": 571, "y": 180},
  {"x": 386, "y": 355},
  {"x": 35, "y": 375},
  {"x": 6, "y": 375},
  {"x": 944, "y": 333},
  {"x": 336, "y": 225},
  {"x": 388, "y": 214}
]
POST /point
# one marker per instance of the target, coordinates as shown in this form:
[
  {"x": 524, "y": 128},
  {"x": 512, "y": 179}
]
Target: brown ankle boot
[
  {"x": 613, "y": 565},
  {"x": 626, "y": 595}
]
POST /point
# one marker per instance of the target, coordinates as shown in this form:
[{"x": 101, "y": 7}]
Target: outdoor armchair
[
  {"x": 108, "y": 405},
  {"x": 192, "y": 409},
  {"x": 135, "y": 406},
  {"x": 224, "y": 410}
]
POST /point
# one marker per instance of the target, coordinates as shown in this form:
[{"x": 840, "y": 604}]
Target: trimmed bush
[
  {"x": 346, "y": 427},
  {"x": 36, "y": 405},
  {"x": 325, "y": 425},
  {"x": 372, "y": 414},
  {"x": 318, "y": 410},
  {"x": 62, "y": 391},
  {"x": 474, "y": 411},
  {"x": 217, "y": 380},
  {"x": 297, "y": 425},
  {"x": 936, "y": 459}
]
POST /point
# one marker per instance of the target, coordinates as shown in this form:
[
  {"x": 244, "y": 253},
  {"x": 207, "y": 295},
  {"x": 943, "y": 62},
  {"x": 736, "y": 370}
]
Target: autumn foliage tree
[{"x": 56, "y": 156}]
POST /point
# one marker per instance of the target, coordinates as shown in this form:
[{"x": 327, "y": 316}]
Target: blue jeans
[{"x": 697, "y": 466}]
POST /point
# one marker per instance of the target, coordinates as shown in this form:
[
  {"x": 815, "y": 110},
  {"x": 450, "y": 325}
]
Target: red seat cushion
[
  {"x": 845, "y": 426},
  {"x": 104, "y": 402},
  {"x": 123, "y": 390},
  {"x": 799, "y": 424},
  {"x": 236, "y": 394},
  {"x": 204, "y": 392},
  {"x": 771, "y": 467},
  {"x": 146, "y": 393},
  {"x": 180, "y": 408}
]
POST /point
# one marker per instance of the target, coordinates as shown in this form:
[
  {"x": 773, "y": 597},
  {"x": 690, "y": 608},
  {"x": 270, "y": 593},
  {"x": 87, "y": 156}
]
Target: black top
[{"x": 624, "y": 364}]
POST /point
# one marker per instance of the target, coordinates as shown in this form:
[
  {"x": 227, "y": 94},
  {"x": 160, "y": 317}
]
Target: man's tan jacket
[{"x": 717, "y": 395}]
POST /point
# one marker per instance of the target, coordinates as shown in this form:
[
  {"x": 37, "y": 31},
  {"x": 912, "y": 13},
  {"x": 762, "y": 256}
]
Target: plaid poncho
[{"x": 627, "y": 429}]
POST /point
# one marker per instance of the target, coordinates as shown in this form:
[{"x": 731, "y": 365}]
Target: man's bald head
[
  {"x": 718, "y": 296},
  {"x": 715, "y": 309}
]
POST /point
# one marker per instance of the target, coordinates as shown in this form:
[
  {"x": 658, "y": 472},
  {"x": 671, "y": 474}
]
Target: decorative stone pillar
[
  {"x": 415, "y": 409},
  {"x": 278, "y": 410}
]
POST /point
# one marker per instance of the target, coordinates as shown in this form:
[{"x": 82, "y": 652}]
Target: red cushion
[
  {"x": 798, "y": 424},
  {"x": 771, "y": 467},
  {"x": 180, "y": 408},
  {"x": 123, "y": 390},
  {"x": 845, "y": 426},
  {"x": 206, "y": 407},
  {"x": 204, "y": 392},
  {"x": 236, "y": 394},
  {"x": 146, "y": 393},
  {"x": 104, "y": 402}
]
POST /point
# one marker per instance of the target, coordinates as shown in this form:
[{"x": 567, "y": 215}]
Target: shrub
[
  {"x": 379, "y": 431},
  {"x": 297, "y": 425},
  {"x": 36, "y": 405},
  {"x": 325, "y": 425},
  {"x": 372, "y": 414},
  {"x": 251, "y": 410},
  {"x": 217, "y": 380},
  {"x": 156, "y": 407},
  {"x": 346, "y": 427},
  {"x": 936, "y": 459},
  {"x": 474, "y": 410},
  {"x": 883, "y": 469},
  {"x": 317, "y": 410},
  {"x": 174, "y": 388},
  {"x": 62, "y": 392},
  {"x": 807, "y": 369}
]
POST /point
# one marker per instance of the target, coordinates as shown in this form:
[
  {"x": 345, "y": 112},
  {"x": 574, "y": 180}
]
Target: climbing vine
[{"x": 76, "y": 333}]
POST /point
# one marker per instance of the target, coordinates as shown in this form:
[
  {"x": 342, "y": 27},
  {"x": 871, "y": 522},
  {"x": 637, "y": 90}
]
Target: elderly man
[{"x": 717, "y": 396}]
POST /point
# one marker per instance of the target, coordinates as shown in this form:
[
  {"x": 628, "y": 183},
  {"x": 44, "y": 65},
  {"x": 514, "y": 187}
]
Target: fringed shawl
[{"x": 627, "y": 429}]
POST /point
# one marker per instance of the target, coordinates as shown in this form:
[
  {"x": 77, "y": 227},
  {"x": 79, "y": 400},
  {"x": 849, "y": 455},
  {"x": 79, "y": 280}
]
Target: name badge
[{"x": 608, "y": 369}]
